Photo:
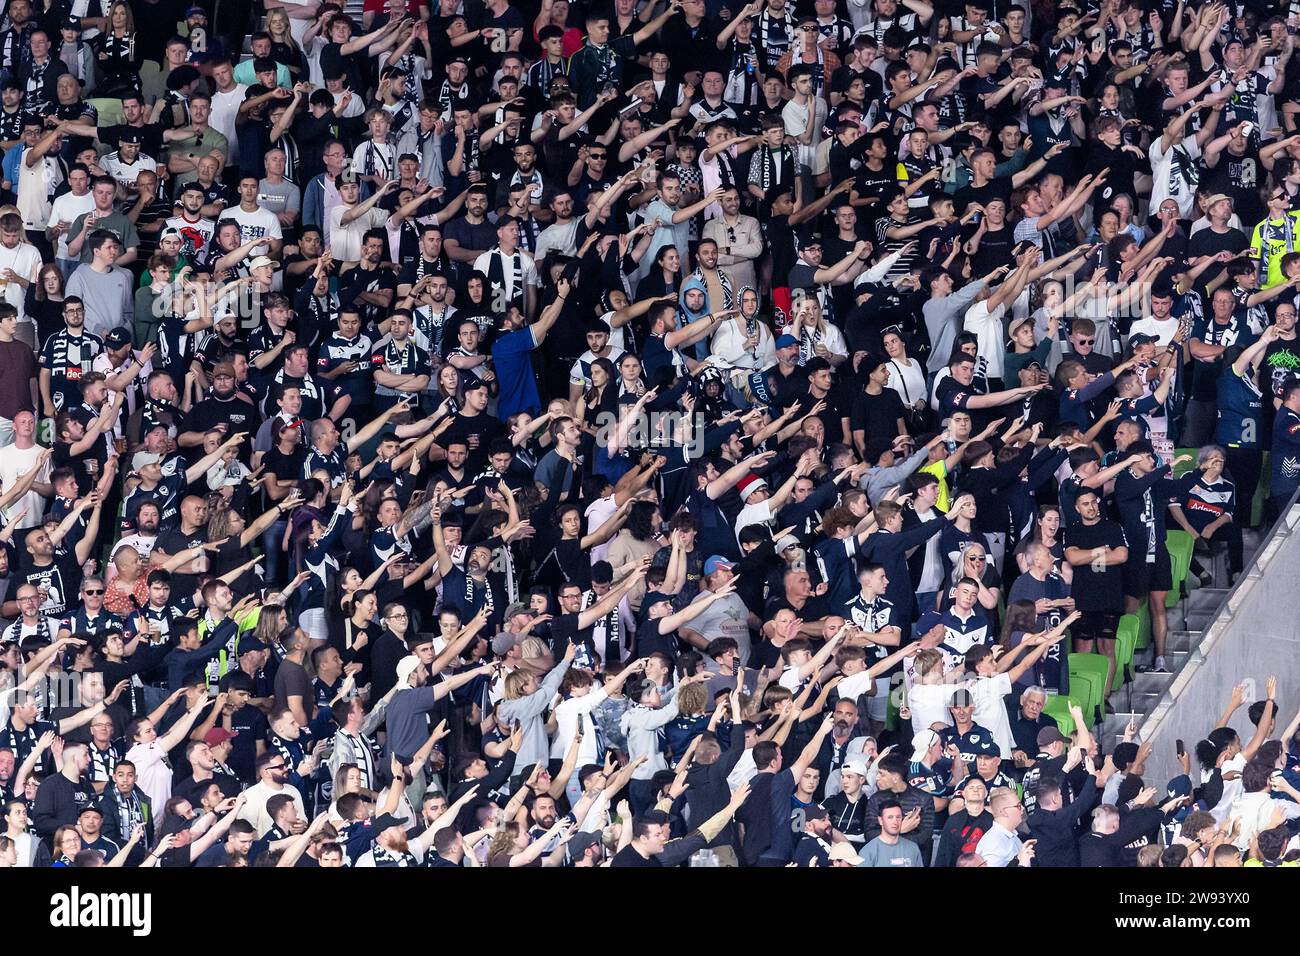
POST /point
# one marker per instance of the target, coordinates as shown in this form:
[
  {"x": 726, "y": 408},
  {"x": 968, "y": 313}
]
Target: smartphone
[{"x": 1182, "y": 751}]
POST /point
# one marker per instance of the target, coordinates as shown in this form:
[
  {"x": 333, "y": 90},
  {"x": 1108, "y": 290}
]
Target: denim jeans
[{"x": 272, "y": 541}]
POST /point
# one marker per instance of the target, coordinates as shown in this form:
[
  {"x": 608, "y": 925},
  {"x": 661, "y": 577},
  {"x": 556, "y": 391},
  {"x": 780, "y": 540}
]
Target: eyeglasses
[
  {"x": 90, "y": 591},
  {"x": 976, "y": 557},
  {"x": 1087, "y": 341},
  {"x": 397, "y": 615}
]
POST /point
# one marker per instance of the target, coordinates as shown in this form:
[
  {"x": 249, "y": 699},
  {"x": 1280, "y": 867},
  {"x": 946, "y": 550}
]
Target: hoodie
[
  {"x": 642, "y": 726},
  {"x": 685, "y": 316}
]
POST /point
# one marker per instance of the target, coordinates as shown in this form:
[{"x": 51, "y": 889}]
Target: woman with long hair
[
  {"x": 1047, "y": 532},
  {"x": 975, "y": 564},
  {"x": 664, "y": 277},
  {"x": 228, "y": 525},
  {"x": 44, "y": 303},
  {"x": 1022, "y": 622},
  {"x": 284, "y": 48},
  {"x": 907, "y": 378},
  {"x": 355, "y": 634},
  {"x": 116, "y": 55},
  {"x": 815, "y": 335},
  {"x": 511, "y": 846}
]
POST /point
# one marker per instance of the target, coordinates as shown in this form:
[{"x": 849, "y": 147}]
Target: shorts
[
  {"x": 1095, "y": 626},
  {"x": 1143, "y": 577}
]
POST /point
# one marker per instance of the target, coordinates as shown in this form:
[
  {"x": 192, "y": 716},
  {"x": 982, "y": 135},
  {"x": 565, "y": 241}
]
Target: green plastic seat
[
  {"x": 1126, "y": 638},
  {"x": 1261, "y": 494},
  {"x": 1091, "y": 668},
  {"x": 1180, "y": 545},
  {"x": 1184, "y": 467},
  {"x": 1057, "y": 707},
  {"x": 1085, "y": 689}
]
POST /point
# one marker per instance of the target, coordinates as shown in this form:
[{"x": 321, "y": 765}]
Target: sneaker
[{"x": 1159, "y": 667}]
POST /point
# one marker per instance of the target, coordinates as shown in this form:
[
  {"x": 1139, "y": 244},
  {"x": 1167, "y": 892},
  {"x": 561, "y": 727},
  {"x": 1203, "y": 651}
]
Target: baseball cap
[
  {"x": 786, "y": 541},
  {"x": 922, "y": 741},
  {"x": 987, "y": 748},
  {"x": 195, "y": 11},
  {"x": 90, "y": 808},
  {"x": 854, "y": 766},
  {"x": 713, "y": 562},
  {"x": 1048, "y": 736},
  {"x": 581, "y": 842},
  {"x": 259, "y": 261},
  {"x": 503, "y": 642},
  {"x": 844, "y": 853},
  {"x": 472, "y": 383},
  {"x": 117, "y": 338},
  {"x": 786, "y": 341},
  {"x": 385, "y": 821},
  {"x": 130, "y": 136},
  {"x": 223, "y": 368},
  {"x": 1015, "y": 325},
  {"x": 1141, "y": 338},
  {"x": 143, "y": 459},
  {"x": 251, "y": 646},
  {"x": 1217, "y": 197},
  {"x": 815, "y": 812},
  {"x": 405, "y": 668},
  {"x": 218, "y": 736}
]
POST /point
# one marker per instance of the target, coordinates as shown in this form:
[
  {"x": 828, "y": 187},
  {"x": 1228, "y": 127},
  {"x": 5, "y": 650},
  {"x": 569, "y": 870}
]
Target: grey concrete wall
[{"x": 1255, "y": 634}]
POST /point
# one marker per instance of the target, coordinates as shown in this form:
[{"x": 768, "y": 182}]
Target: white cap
[
  {"x": 405, "y": 668},
  {"x": 855, "y": 766}
]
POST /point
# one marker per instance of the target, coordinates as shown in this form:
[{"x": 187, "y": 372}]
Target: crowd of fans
[{"x": 534, "y": 433}]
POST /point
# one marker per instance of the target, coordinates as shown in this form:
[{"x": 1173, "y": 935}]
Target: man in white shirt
[
  {"x": 254, "y": 221},
  {"x": 65, "y": 210},
  {"x": 348, "y": 222},
  {"x": 18, "y": 458},
  {"x": 20, "y": 261},
  {"x": 512, "y": 274},
  {"x": 126, "y": 164},
  {"x": 226, "y": 101}
]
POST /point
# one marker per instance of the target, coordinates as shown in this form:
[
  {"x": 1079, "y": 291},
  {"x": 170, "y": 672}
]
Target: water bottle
[{"x": 705, "y": 857}]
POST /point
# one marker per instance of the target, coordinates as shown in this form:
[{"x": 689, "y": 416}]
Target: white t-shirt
[
  {"x": 598, "y": 513},
  {"x": 225, "y": 108},
  {"x": 757, "y": 513},
  {"x": 255, "y": 225},
  {"x": 14, "y": 463},
  {"x": 1175, "y": 173},
  {"x": 345, "y": 240},
  {"x": 991, "y": 712},
  {"x": 992, "y": 347},
  {"x": 25, "y": 260},
  {"x": 67, "y": 208},
  {"x": 929, "y": 705},
  {"x": 1163, "y": 330}
]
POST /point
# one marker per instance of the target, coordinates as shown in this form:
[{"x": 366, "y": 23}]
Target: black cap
[
  {"x": 1141, "y": 338},
  {"x": 384, "y": 821},
  {"x": 131, "y": 136},
  {"x": 987, "y": 748},
  {"x": 118, "y": 337},
  {"x": 809, "y": 237}
]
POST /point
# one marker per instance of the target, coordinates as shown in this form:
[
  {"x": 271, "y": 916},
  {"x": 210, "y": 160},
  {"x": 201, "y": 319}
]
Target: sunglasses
[
  {"x": 94, "y": 591},
  {"x": 1087, "y": 341}
]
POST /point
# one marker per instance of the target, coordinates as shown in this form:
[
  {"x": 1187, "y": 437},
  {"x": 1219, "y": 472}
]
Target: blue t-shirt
[{"x": 512, "y": 360}]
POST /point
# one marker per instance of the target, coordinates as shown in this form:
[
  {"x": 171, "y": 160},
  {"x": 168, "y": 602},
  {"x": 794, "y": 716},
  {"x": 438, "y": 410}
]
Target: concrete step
[
  {"x": 1205, "y": 600},
  {"x": 1183, "y": 640}
]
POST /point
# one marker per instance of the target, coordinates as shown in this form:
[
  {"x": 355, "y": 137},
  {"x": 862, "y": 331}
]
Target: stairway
[{"x": 1188, "y": 621}]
